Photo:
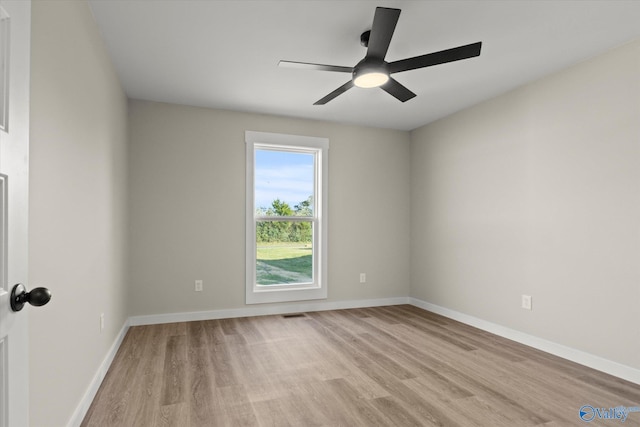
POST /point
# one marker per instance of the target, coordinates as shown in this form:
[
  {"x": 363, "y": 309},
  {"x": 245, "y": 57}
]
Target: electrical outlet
[
  {"x": 101, "y": 322},
  {"x": 363, "y": 277},
  {"x": 198, "y": 285},
  {"x": 526, "y": 302}
]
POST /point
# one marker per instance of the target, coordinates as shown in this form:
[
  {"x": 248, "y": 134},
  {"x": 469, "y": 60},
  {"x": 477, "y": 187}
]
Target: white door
[{"x": 15, "y": 29}]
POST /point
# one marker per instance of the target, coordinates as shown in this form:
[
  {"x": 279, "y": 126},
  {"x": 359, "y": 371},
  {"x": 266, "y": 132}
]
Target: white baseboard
[
  {"x": 596, "y": 362},
  {"x": 264, "y": 310},
  {"x": 90, "y": 394}
]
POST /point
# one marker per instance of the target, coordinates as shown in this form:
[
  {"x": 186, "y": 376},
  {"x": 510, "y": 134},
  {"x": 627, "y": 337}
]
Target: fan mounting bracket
[{"x": 364, "y": 38}]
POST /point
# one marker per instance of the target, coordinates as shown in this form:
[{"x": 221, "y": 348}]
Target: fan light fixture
[
  {"x": 367, "y": 74},
  {"x": 371, "y": 79}
]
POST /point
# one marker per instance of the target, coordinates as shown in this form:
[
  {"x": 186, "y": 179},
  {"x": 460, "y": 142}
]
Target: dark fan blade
[
  {"x": 342, "y": 89},
  {"x": 384, "y": 24},
  {"x": 449, "y": 55},
  {"x": 320, "y": 67},
  {"x": 392, "y": 87}
]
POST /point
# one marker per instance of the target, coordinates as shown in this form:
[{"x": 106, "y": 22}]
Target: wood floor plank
[
  {"x": 476, "y": 411},
  {"x": 363, "y": 409},
  {"x": 147, "y": 381},
  {"x": 321, "y": 396},
  {"x": 382, "y": 366},
  {"x": 246, "y": 367},
  {"x": 360, "y": 345},
  {"x": 117, "y": 396},
  {"x": 247, "y": 328},
  {"x": 171, "y": 416},
  {"x": 223, "y": 371},
  {"x": 229, "y": 326},
  {"x": 236, "y": 407},
  {"x": 620, "y": 388},
  {"x": 197, "y": 334},
  {"x": 173, "y": 382},
  {"x": 397, "y": 414},
  {"x": 202, "y": 404},
  {"x": 271, "y": 413},
  {"x": 214, "y": 333},
  {"x": 300, "y": 411},
  {"x": 433, "y": 331}
]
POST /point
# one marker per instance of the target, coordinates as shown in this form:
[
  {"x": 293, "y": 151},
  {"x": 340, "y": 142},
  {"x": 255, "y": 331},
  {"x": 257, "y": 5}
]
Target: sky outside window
[{"x": 283, "y": 175}]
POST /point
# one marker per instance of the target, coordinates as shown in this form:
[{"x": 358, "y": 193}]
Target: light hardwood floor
[{"x": 383, "y": 366}]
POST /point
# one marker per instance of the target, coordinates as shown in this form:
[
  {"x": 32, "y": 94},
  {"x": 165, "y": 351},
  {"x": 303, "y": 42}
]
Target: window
[{"x": 286, "y": 218}]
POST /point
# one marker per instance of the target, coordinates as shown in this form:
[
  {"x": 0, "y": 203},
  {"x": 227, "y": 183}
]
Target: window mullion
[{"x": 285, "y": 218}]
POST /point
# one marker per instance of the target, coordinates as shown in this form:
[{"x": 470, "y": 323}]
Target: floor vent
[{"x": 289, "y": 316}]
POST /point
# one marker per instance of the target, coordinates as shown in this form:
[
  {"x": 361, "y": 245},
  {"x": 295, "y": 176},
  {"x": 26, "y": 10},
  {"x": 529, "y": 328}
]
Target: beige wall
[
  {"x": 187, "y": 205},
  {"x": 77, "y": 207},
  {"x": 538, "y": 192}
]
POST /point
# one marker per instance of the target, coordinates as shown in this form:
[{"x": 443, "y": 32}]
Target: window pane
[
  {"x": 284, "y": 252},
  {"x": 284, "y": 183}
]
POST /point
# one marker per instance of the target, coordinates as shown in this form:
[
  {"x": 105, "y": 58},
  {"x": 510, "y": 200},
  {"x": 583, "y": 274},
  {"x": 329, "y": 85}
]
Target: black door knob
[{"x": 20, "y": 296}]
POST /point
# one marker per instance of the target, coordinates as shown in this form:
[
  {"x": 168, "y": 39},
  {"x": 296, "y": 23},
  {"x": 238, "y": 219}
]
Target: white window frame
[{"x": 257, "y": 294}]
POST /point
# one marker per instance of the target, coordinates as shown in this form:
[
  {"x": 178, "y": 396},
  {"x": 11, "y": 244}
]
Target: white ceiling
[{"x": 224, "y": 54}]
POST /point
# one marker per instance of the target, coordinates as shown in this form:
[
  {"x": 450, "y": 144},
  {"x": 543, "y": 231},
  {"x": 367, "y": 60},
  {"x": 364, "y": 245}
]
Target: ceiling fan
[{"x": 374, "y": 71}]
